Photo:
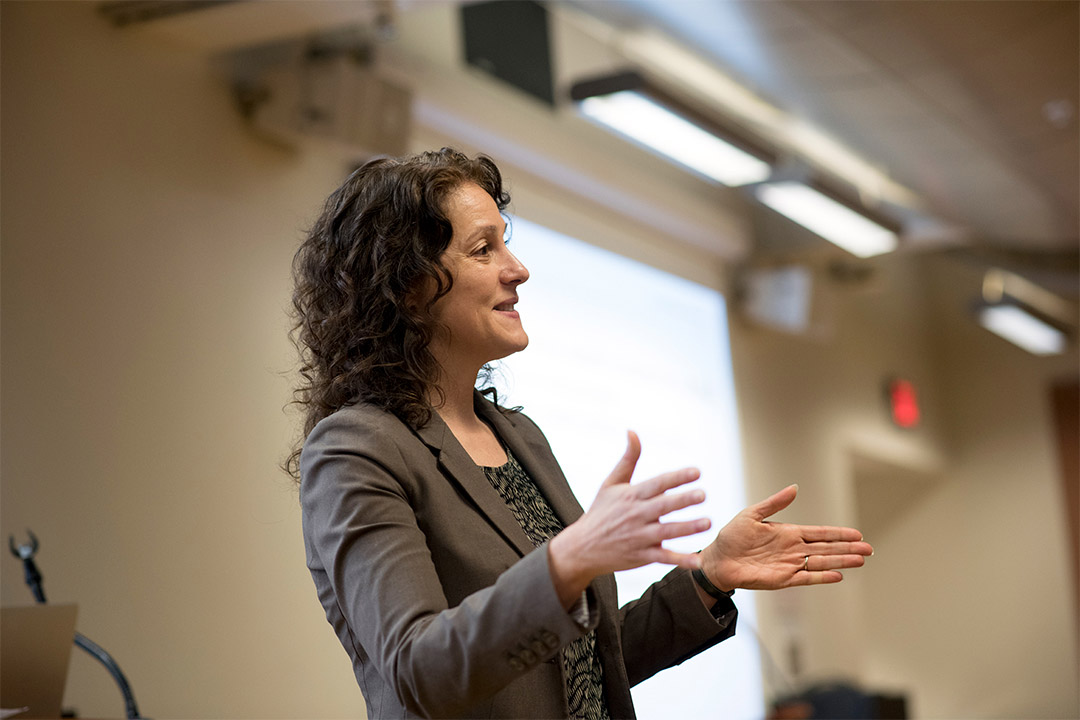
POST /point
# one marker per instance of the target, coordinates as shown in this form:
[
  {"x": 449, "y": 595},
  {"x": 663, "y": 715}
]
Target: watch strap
[{"x": 710, "y": 589}]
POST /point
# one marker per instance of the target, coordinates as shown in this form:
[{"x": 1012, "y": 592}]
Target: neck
[
  {"x": 459, "y": 413},
  {"x": 455, "y": 405}
]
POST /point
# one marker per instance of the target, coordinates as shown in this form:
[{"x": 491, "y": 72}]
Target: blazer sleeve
[
  {"x": 382, "y": 584},
  {"x": 668, "y": 624}
]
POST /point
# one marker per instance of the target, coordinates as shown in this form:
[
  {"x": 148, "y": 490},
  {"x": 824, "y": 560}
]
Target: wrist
[
  {"x": 716, "y": 590},
  {"x": 708, "y": 587},
  {"x": 568, "y": 575}
]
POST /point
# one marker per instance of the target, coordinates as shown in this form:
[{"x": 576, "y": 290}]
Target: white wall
[
  {"x": 992, "y": 629},
  {"x": 146, "y": 251},
  {"x": 966, "y": 605}
]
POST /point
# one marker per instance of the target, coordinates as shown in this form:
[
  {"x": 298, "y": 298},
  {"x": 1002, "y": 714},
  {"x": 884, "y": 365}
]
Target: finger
[
  {"x": 839, "y": 548},
  {"x": 670, "y": 502},
  {"x": 772, "y": 505},
  {"x": 827, "y": 577},
  {"x": 671, "y": 530},
  {"x": 690, "y": 561},
  {"x": 834, "y": 562},
  {"x": 824, "y": 533},
  {"x": 624, "y": 469},
  {"x": 662, "y": 483}
]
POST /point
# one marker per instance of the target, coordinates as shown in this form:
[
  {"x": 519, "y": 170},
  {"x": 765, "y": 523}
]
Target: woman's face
[{"x": 478, "y": 312}]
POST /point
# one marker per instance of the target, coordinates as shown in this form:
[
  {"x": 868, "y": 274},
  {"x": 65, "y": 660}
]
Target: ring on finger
[{"x": 806, "y": 564}]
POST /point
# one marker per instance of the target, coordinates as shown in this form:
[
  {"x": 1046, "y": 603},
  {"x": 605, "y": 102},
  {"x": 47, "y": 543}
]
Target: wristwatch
[{"x": 710, "y": 589}]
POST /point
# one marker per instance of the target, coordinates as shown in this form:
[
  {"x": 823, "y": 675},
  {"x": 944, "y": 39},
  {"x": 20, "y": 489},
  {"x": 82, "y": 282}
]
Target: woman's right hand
[{"x": 622, "y": 528}]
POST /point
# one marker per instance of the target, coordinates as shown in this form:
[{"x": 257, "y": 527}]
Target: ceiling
[{"x": 970, "y": 104}]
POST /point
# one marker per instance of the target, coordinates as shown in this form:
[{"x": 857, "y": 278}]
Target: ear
[
  {"x": 418, "y": 297},
  {"x": 412, "y": 300}
]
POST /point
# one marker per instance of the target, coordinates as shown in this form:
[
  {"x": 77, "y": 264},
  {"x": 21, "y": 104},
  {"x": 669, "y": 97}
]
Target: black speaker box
[{"x": 510, "y": 40}]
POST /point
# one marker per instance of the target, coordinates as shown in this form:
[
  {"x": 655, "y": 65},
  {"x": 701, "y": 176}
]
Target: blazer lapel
[
  {"x": 461, "y": 470},
  {"x": 528, "y": 445},
  {"x": 532, "y": 451}
]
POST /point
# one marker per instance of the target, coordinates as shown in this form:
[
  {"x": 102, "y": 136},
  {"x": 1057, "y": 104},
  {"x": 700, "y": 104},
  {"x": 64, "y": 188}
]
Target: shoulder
[
  {"x": 358, "y": 431},
  {"x": 362, "y": 416},
  {"x": 362, "y": 423}
]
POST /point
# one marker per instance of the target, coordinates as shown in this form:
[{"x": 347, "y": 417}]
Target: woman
[{"x": 452, "y": 560}]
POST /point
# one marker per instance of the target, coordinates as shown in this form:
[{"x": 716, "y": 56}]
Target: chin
[{"x": 511, "y": 347}]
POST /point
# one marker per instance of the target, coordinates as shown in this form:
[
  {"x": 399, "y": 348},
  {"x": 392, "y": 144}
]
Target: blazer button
[
  {"x": 516, "y": 664},
  {"x": 550, "y": 639},
  {"x": 538, "y": 647},
  {"x": 528, "y": 656}
]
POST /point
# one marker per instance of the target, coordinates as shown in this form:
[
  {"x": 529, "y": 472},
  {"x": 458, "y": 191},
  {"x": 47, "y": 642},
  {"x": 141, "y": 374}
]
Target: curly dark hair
[{"x": 379, "y": 238}]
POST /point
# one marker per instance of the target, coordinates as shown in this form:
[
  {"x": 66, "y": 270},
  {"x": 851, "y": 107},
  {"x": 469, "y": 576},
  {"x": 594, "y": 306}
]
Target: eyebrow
[{"x": 482, "y": 230}]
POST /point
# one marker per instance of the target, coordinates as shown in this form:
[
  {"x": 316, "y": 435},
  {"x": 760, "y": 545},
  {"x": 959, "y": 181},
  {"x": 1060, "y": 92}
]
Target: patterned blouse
[{"x": 582, "y": 668}]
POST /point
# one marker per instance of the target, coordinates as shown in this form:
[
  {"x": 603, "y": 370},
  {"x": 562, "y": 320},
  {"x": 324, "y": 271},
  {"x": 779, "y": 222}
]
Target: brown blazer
[{"x": 440, "y": 599}]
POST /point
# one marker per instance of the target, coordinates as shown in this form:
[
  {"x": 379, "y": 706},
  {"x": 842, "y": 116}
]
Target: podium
[{"x": 35, "y": 648}]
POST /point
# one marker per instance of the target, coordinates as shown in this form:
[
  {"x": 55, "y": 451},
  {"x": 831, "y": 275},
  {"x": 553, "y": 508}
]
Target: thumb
[
  {"x": 624, "y": 469},
  {"x": 775, "y": 503}
]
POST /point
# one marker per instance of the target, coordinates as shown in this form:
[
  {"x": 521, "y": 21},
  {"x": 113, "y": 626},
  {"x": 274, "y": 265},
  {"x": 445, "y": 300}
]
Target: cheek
[{"x": 455, "y": 312}]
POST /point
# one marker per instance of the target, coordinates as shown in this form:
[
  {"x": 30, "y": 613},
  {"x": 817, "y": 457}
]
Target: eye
[{"x": 484, "y": 249}]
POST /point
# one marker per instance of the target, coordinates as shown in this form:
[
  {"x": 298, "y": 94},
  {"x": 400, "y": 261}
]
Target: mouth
[{"x": 507, "y": 306}]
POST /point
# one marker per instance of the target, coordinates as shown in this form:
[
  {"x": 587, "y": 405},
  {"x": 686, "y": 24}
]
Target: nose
[{"x": 514, "y": 273}]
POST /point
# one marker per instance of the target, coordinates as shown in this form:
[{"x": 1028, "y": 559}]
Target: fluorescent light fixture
[
  {"x": 1023, "y": 329},
  {"x": 622, "y": 103},
  {"x": 655, "y": 50},
  {"x": 1000, "y": 284},
  {"x": 837, "y": 223},
  {"x": 685, "y": 69}
]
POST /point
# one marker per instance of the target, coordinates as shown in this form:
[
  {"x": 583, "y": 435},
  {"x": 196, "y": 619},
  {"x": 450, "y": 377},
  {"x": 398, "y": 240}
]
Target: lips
[{"x": 507, "y": 306}]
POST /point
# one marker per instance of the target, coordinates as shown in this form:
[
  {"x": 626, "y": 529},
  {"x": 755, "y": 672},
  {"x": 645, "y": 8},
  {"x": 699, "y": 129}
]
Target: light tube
[
  {"x": 1023, "y": 329},
  {"x": 653, "y": 125},
  {"x": 838, "y": 224},
  {"x": 684, "y": 68}
]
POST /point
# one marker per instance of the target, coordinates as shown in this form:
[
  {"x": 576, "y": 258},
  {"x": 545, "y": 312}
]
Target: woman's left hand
[{"x": 751, "y": 552}]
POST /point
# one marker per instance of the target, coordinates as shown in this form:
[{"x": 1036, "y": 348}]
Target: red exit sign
[{"x": 903, "y": 402}]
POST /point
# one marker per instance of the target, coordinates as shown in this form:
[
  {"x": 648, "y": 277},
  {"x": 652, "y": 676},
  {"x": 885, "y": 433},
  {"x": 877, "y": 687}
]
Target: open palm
[{"x": 751, "y": 552}]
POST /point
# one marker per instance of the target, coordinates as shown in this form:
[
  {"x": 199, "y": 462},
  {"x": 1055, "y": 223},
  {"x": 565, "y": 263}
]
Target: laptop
[{"x": 35, "y": 646}]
